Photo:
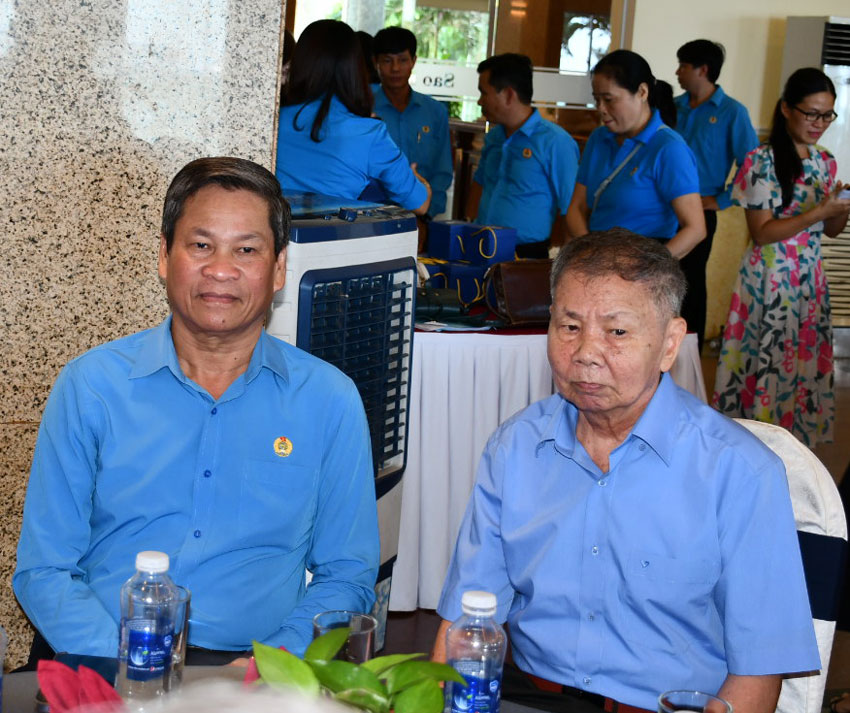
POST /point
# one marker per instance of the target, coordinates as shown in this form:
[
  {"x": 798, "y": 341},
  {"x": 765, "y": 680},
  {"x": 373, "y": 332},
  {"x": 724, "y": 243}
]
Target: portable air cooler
[{"x": 348, "y": 299}]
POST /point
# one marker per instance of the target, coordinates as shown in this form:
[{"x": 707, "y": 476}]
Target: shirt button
[
  {"x": 586, "y": 680},
  {"x": 591, "y": 616},
  {"x": 602, "y": 482},
  {"x": 214, "y": 411},
  {"x": 197, "y": 533},
  {"x": 594, "y": 550},
  {"x": 642, "y": 446},
  {"x": 207, "y": 473}
]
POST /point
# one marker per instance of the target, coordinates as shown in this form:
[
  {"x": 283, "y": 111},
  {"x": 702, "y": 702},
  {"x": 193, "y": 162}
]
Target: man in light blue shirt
[
  {"x": 637, "y": 540},
  {"x": 243, "y": 458},
  {"x": 719, "y": 132},
  {"x": 528, "y": 165},
  {"x": 415, "y": 121}
]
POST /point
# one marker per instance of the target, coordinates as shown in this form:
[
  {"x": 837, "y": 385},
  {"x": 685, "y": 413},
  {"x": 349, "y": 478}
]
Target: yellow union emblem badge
[
  {"x": 426, "y": 129},
  {"x": 526, "y": 153},
  {"x": 282, "y": 446}
]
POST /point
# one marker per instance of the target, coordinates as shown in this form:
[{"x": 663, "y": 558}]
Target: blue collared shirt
[
  {"x": 353, "y": 150},
  {"x": 527, "y": 178},
  {"x": 132, "y": 455},
  {"x": 719, "y": 133},
  {"x": 678, "y": 566},
  {"x": 422, "y": 133},
  {"x": 641, "y": 195}
]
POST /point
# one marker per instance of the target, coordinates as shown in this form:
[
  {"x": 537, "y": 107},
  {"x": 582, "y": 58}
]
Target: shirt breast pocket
[
  {"x": 277, "y": 501},
  {"x": 664, "y": 601},
  {"x": 525, "y": 171}
]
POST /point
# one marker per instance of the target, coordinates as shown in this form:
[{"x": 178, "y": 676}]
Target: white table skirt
[{"x": 462, "y": 387}]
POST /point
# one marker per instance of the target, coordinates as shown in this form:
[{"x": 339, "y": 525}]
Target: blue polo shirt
[
  {"x": 719, "y": 133},
  {"x": 352, "y": 151},
  {"x": 422, "y": 133},
  {"x": 527, "y": 178},
  {"x": 640, "y": 196}
]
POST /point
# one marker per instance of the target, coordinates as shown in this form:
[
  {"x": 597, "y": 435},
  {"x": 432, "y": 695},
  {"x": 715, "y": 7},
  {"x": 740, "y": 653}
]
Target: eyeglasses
[{"x": 812, "y": 116}]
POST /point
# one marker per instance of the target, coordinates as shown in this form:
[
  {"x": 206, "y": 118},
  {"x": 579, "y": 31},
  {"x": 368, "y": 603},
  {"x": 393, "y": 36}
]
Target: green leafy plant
[{"x": 397, "y": 683}]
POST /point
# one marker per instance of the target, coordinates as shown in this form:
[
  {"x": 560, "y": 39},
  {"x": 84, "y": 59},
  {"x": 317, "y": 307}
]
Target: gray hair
[{"x": 630, "y": 257}]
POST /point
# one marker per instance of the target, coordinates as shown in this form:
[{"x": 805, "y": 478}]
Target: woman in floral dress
[{"x": 776, "y": 360}]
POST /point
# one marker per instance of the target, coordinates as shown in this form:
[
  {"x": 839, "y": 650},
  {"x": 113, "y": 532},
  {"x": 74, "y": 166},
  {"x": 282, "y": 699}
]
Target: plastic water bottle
[
  {"x": 475, "y": 647},
  {"x": 148, "y": 601}
]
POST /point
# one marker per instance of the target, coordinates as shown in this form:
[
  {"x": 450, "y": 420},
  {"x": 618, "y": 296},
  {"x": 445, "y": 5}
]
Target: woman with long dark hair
[
  {"x": 327, "y": 140},
  {"x": 636, "y": 172},
  {"x": 776, "y": 360}
]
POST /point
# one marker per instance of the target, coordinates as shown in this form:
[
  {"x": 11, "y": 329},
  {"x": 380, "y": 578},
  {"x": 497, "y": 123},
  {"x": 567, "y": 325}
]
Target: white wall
[{"x": 752, "y": 31}]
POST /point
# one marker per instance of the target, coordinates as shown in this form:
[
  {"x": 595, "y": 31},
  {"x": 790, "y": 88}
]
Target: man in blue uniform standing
[
  {"x": 416, "y": 122},
  {"x": 719, "y": 132},
  {"x": 245, "y": 459},
  {"x": 528, "y": 165}
]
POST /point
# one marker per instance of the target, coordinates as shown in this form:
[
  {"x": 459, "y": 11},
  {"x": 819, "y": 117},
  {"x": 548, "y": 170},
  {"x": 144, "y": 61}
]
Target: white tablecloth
[{"x": 462, "y": 387}]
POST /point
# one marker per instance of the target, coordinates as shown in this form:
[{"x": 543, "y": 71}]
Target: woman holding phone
[{"x": 776, "y": 361}]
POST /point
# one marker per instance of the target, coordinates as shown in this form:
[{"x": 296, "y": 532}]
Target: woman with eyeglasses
[{"x": 776, "y": 361}]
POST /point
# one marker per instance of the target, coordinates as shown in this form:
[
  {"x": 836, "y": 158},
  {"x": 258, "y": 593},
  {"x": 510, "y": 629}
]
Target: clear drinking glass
[
  {"x": 673, "y": 701},
  {"x": 360, "y": 645},
  {"x": 178, "y": 643}
]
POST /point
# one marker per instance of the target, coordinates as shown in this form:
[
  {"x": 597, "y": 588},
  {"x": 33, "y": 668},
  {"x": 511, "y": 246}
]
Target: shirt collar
[
  {"x": 653, "y": 426},
  {"x": 528, "y": 125},
  {"x": 655, "y": 123},
  {"x": 683, "y": 100},
  {"x": 382, "y": 99},
  {"x": 718, "y": 96},
  {"x": 656, "y": 425},
  {"x": 158, "y": 352}
]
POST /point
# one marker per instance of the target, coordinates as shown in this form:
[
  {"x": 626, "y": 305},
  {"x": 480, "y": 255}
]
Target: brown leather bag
[{"x": 518, "y": 291}]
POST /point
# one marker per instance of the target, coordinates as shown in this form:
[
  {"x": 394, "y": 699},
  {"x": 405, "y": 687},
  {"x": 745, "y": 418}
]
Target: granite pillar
[{"x": 101, "y": 102}]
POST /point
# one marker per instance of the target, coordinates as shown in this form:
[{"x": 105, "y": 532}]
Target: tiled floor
[{"x": 414, "y": 631}]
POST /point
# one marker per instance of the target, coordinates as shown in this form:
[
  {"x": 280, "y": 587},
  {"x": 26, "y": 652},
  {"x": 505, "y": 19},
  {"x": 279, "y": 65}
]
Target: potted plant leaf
[{"x": 398, "y": 682}]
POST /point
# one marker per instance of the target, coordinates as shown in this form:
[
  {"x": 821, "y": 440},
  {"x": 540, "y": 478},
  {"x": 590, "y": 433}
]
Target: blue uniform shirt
[
  {"x": 422, "y": 133},
  {"x": 640, "y": 196},
  {"x": 132, "y": 455},
  {"x": 676, "y": 567},
  {"x": 527, "y": 178},
  {"x": 719, "y": 133},
  {"x": 352, "y": 151}
]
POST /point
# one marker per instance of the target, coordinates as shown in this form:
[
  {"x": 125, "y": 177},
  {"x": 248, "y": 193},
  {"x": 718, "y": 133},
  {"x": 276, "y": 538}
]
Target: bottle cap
[
  {"x": 478, "y": 603},
  {"x": 152, "y": 561}
]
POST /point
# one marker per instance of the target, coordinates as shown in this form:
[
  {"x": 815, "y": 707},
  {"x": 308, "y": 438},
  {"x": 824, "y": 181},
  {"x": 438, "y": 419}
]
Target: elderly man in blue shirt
[
  {"x": 719, "y": 132},
  {"x": 415, "y": 121},
  {"x": 528, "y": 165},
  {"x": 637, "y": 540},
  {"x": 243, "y": 458}
]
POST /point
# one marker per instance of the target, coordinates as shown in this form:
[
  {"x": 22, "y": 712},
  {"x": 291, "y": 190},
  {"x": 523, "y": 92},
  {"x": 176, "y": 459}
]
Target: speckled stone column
[{"x": 101, "y": 103}]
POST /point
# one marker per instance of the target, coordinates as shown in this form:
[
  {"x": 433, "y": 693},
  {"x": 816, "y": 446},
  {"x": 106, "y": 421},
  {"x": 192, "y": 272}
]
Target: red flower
[
  {"x": 787, "y": 420},
  {"x": 736, "y": 323},
  {"x": 741, "y": 176},
  {"x": 806, "y": 340},
  {"x": 67, "y": 690},
  {"x": 748, "y": 395},
  {"x": 825, "y": 358}
]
